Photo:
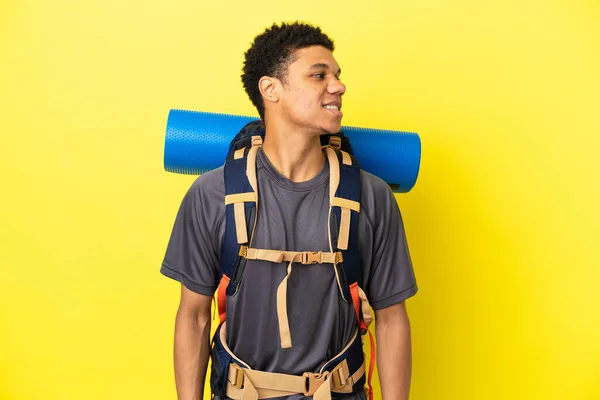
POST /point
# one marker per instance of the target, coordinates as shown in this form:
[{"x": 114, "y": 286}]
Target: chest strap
[
  {"x": 303, "y": 257},
  {"x": 277, "y": 256}
]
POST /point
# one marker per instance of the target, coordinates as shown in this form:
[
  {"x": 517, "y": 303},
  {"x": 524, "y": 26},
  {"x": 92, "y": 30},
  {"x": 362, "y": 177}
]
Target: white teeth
[{"x": 331, "y": 107}]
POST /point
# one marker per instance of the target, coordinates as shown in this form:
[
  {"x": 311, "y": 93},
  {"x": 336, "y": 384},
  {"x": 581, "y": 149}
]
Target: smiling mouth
[{"x": 334, "y": 108}]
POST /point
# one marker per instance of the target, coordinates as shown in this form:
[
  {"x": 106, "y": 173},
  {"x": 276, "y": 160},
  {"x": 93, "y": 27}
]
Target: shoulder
[
  {"x": 373, "y": 186},
  {"x": 205, "y": 199},
  {"x": 376, "y": 196},
  {"x": 209, "y": 187}
]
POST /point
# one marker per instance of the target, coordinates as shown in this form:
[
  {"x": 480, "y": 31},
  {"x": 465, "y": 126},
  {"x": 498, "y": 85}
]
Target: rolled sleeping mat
[{"x": 197, "y": 142}]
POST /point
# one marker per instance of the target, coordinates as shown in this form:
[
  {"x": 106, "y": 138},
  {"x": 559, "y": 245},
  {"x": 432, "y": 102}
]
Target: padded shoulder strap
[
  {"x": 345, "y": 206},
  {"x": 241, "y": 204}
]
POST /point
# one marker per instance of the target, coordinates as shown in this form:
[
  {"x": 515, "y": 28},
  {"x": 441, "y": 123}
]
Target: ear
[{"x": 268, "y": 87}]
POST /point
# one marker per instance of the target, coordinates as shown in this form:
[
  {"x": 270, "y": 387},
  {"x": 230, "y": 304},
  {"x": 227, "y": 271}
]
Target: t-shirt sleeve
[
  {"x": 391, "y": 276},
  {"x": 192, "y": 255}
]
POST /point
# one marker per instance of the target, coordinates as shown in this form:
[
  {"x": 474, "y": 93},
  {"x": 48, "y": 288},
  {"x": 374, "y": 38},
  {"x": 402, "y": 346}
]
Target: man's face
[{"x": 311, "y": 97}]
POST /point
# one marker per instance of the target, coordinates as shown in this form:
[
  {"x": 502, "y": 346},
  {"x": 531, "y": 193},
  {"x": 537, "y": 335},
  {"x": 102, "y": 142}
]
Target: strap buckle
[
  {"x": 314, "y": 382},
  {"x": 335, "y": 142},
  {"x": 311, "y": 257},
  {"x": 239, "y": 376}
]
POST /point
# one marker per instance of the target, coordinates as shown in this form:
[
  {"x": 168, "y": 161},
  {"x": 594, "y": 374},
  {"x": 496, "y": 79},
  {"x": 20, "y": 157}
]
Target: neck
[{"x": 295, "y": 154}]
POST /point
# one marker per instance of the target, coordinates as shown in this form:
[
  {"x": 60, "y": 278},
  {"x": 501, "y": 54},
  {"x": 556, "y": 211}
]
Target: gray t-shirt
[{"x": 291, "y": 216}]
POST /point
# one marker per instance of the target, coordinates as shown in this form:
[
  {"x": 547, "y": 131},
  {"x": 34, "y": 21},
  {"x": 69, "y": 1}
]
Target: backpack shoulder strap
[
  {"x": 344, "y": 200},
  {"x": 241, "y": 205},
  {"x": 345, "y": 189}
]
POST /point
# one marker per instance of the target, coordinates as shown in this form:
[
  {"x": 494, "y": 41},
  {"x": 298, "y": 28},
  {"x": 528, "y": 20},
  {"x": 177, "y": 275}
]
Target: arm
[
  {"x": 392, "y": 330},
  {"x": 192, "y": 344}
]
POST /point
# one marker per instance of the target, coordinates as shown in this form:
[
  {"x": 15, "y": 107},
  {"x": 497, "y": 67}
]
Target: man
[{"x": 293, "y": 79}]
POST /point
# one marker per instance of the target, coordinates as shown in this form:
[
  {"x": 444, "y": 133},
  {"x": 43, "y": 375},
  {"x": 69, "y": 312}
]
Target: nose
[{"x": 336, "y": 86}]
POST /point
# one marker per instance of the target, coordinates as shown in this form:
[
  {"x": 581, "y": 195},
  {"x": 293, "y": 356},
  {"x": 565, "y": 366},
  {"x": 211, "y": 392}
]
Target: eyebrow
[{"x": 324, "y": 66}]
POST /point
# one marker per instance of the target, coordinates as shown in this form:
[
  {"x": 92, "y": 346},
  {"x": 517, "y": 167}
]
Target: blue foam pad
[{"x": 197, "y": 142}]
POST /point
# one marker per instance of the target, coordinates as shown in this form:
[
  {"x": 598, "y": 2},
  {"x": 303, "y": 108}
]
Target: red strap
[
  {"x": 371, "y": 364},
  {"x": 363, "y": 326},
  {"x": 356, "y": 301},
  {"x": 222, "y": 297},
  {"x": 357, "y": 306}
]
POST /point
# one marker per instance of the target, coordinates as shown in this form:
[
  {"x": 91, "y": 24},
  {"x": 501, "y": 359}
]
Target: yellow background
[{"x": 503, "y": 223}]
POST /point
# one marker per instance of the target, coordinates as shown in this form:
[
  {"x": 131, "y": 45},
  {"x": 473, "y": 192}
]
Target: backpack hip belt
[{"x": 340, "y": 375}]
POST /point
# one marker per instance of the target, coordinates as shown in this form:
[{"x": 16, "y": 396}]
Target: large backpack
[{"x": 345, "y": 373}]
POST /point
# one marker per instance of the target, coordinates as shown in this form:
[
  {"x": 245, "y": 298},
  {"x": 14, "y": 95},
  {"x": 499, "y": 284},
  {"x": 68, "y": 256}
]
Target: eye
[{"x": 319, "y": 75}]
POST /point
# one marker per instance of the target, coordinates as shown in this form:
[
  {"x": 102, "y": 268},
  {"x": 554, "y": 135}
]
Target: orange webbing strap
[
  {"x": 356, "y": 303},
  {"x": 371, "y": 365},
  {"x": 222, "y": 297},
  {"x": 360, "y": 302}
]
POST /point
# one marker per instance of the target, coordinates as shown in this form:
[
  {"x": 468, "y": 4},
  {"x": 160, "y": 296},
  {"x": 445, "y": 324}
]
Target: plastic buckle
[
  {"x": 239, "y": 376},
  {"x": 314, "y": 382},
  {"x": 311, "y": 257},
  {"x": 335, "y": 142},
  {"x": 243, "y": 251}
]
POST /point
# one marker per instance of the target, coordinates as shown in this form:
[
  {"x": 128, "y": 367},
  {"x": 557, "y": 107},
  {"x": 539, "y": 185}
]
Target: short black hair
[{"x": 272, "y": 52}]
